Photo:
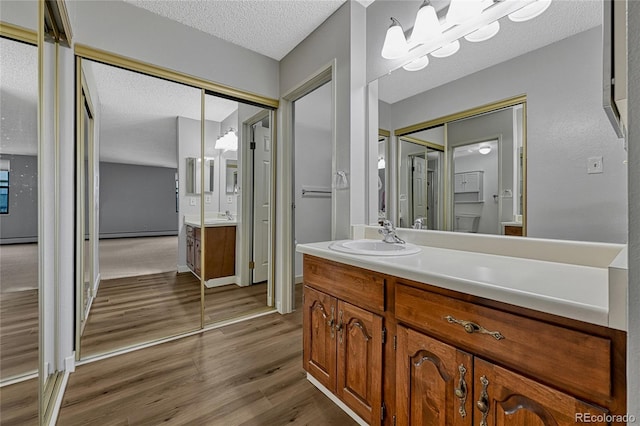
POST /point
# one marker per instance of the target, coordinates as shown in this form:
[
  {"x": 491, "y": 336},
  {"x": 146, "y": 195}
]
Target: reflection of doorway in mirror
[
  {"x": 382, "y": 179},
  {"x": 476, "y": 178}
]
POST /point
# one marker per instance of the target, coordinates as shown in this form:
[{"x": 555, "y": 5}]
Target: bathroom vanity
[
  {"x": 462, "y": 337},
  {"x": 220, "y": 255}
]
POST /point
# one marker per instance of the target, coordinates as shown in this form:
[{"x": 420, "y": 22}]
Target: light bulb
[
  {"x": 484, "y": 33},
  {"x": 395, "y": 43},
  {"x": 446, "y": 50},
  {"x": 417, "y": 64},
  {"x": 484, "y": 150},
  {"x": 530, "y": 11},
  {"x": 463, "y": 10},
  {"x": 427, "y": 26}
]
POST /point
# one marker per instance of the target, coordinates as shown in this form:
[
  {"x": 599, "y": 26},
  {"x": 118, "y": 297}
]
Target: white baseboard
[
  {"x": 183, "y": 268},
  {"x": 70, "y": 363},
  {"x": 299, "y": 279},
  {"x": 96, "y": 284},
  {"x": 336, "y": 401},
  {"x": 219, "y": 282}
]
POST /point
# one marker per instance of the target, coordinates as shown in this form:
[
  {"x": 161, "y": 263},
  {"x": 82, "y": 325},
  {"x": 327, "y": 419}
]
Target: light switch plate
[
  {"x": 229, "y": 199},
  {"x": 594, "y": 165},
  {"x": 192, "y": 201},
  {"x": 207, "y": 199}
]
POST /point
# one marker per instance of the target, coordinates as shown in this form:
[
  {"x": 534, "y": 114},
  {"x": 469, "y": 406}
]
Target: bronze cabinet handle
[
  {"x": 472, "y": 327},
  {"x": 483, "y": 402},
  {"x": 461, "y": 391},
  {"x": 331, "y": 323},
  {"x": 340, "y": 325}
]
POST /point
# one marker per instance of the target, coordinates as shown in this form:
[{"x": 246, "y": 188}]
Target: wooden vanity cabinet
[
  {"x": 220, "y": 258},
  {"x": 343, "y": 341},
  {"x": 449, "y": 357}
]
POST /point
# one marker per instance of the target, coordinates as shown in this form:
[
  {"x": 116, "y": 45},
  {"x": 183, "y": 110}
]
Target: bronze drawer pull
[
  {"x": 483, "y": 402},
  {"x": 472, "y": 327},
  {"x": 461, "y": 391}
]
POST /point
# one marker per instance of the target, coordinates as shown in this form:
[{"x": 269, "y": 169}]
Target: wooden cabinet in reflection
[{"x": 220, "y": 255}]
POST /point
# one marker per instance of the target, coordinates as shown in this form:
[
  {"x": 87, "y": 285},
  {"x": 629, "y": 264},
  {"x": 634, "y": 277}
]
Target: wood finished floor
[
  {"x": 19, "y": 404},
  {"x": 134, "y": 310},
  {"x": 248, "y": 373},
  {"x": 18, "y": 333}
]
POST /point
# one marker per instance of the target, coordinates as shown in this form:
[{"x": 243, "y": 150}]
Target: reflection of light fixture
[
  {"x": 531, "y": 11},
  {"x": 484, "y": 150},
  {"x": 228, "y": 141},
  {"x": 446, "y": 50},
  {"x": 381, "y": 163},
  {"x": 484, "y": 33},
  {"x": 417, "y": 64},
  {"x": 475, "y": 20}
]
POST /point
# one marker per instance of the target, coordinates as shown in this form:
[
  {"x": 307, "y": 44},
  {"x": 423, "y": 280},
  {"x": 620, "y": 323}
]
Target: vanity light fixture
[
  {"x": 475, "y": 20},
  {"x": 381, "y": 163},
  {"x": 228, "y": 141}
]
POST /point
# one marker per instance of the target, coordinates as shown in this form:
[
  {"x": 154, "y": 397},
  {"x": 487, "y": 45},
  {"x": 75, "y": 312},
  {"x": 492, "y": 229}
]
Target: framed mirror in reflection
[{"x": 466, "y": 174}]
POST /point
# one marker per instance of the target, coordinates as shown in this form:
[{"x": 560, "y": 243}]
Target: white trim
[
  {"x": 70, "y": 363},
  {"x": 336, "y": 401},
  {"x": 285, "y": 249},
  {"x": 96, "y": 285},
  {"x": 183, "y": 268},
  {"x": 19, "y": 379},
  {"x": 58, "y": 402},
  {"x": 171, "y": 339},
  {"x": 219, "y": 282},
  {"x": 299, "y": 279}
]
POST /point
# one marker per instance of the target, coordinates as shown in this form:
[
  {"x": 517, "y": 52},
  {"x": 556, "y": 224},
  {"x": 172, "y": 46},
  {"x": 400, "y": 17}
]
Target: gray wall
[
  {"x": 566, "y": 125},
  {"x": 312, "y": 139},
  {"x": 633, "y": 366},
  {"x": 122, "y": 28},
  {"x": 137, "y": 200},
  {"x": 21, "y": 224}
]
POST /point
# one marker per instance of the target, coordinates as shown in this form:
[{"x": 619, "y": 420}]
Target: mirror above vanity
[{"x": 551, "y": 90}]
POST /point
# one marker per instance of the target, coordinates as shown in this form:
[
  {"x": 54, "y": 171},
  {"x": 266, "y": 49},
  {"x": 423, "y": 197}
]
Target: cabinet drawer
[
  {"x": 361, "y": 287},
  {"x": 569, "y": 359}
]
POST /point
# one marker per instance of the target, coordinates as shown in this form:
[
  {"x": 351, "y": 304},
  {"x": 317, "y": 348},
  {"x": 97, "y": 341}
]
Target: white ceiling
[
  {"x": 563, "y": 19},
  {"x": 269, "y": 27}
]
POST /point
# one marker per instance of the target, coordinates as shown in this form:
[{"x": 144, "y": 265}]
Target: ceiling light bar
[{"x": 442, "y": 40}]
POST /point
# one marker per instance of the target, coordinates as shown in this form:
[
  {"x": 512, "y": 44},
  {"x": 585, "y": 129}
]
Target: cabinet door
[
  {"x": 319, "y": 337},
  {"x": 359, "y": 370},
  {"x": 190, "y": 253},
  {"x": 196, "y": 258},
  {"x": 458, "y": 182},
  {"x": 506, "y": 398},
  {"x": 434, "y": 382},
  {"x": 472, "y": 182}
]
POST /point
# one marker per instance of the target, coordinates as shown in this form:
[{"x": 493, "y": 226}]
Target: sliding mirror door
[
  {"x": 233, "y": 238},
  {"x": 132, "y": 287},
  {"x": 19, "y": 256}
]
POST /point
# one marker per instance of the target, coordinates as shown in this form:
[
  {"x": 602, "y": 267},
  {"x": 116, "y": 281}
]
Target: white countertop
[
  {"x": 208, "y": 223},
  {"x": 574, "y": 291}
]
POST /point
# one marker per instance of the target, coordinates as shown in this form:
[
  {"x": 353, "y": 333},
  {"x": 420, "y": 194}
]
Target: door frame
[{"x": 285, "y": 221}]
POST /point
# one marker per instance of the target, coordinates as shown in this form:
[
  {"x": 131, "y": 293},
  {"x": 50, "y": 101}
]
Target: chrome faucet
[
  {"x": 228, "y": 214},
  {"x": 419, "y": 223},
  {"x": 388, "y": 233}
]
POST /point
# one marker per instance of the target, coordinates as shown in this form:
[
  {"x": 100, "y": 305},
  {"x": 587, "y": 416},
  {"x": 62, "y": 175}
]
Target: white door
[
  {"x": 419, "y": 189},
  {"x": 261, "y": 191}
]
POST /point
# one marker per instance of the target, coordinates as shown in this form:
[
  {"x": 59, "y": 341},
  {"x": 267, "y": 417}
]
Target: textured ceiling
[
  {"x": 270, "y": 27},
  {"x": 563, "y": 19},
  {"x": 18, "y": 98},
  {"x": 138, "y": 114}
]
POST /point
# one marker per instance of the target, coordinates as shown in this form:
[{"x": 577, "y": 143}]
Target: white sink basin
[{"x": 374, "y": 248}]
